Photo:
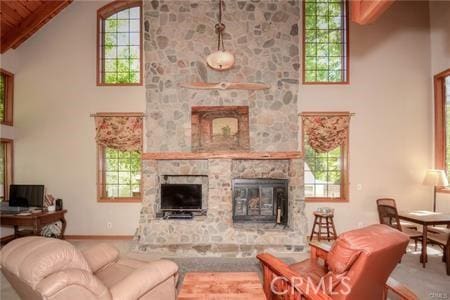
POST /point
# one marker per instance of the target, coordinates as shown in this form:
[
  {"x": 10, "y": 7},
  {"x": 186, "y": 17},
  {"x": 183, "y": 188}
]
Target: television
[
  {"x": 181, "y": 197},
  {"x": 26, "y": 195}
]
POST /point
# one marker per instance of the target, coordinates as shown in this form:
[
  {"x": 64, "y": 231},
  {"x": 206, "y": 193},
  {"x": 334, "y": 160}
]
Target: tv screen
[
  {"x": 181, "y": 196},
  {"x": 26, "y": 195}
]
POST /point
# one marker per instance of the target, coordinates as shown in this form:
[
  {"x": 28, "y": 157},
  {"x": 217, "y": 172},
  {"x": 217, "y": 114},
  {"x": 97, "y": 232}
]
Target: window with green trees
[
  {"x": 6, "y": 162},
  {"x": 325, "y": 174},
  {"x": 325, "y": 41},
  {"x": 120, "y": 46},
  {"x": 121, "y": 174},
  {"x": 2, "y": 97},
  {"x": 442, "y": 123},
  {"x": 6, "y": 97},
  {"x": 447, "y": 123},
  {"x": 2, "y": 172}
]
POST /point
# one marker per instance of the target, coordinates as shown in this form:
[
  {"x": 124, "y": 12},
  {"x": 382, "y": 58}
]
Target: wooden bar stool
[{"x": 323, "y": 221}]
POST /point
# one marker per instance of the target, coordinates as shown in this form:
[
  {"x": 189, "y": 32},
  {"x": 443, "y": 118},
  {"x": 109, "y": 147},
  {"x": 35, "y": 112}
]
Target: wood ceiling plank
[
  {"x": 5, "y": 20},
  {"x": 31, "y": 24},
  {"x": 4, "y": 28},
  {"x": 19, "y": 8},
  {"x": 10, "y": 13},
  {"x": 22, "y": 4},
  {"x": 32, "y": 5}
]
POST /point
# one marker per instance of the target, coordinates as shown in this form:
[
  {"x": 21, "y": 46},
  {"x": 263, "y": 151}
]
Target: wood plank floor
[{"x": 221, "y": 285}]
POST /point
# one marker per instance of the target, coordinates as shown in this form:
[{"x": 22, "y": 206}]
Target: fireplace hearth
[{"x": 260, "y": 201}]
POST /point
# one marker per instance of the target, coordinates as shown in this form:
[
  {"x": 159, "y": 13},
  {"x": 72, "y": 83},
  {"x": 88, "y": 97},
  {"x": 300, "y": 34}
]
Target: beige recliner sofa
[{"x": 44, "y": 268}]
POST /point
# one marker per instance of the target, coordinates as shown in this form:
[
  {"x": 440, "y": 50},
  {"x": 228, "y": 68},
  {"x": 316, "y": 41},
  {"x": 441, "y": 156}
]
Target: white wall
[
  {"x": 390, "y": 92},
  {"x": 440, "y": 58},
  {"x": 55, "y": 93},
  {"x": 390, "y": 135}
]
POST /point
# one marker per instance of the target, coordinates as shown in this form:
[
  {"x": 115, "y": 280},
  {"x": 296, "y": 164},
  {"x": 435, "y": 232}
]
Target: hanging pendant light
[{"x": 220, "y": 60}]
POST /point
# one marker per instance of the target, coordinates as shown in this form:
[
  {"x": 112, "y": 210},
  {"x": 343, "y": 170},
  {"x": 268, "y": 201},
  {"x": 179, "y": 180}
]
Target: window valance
[
  {"x": 122, "y": 133},
  {"x": 325, "y": 131}
]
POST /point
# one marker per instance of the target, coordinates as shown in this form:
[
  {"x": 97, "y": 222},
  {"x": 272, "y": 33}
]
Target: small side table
[{"x": 323, "y": 221}]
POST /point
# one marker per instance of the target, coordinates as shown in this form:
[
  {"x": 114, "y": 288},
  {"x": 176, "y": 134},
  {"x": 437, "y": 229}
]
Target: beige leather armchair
[{"x": 44, "y": 268}]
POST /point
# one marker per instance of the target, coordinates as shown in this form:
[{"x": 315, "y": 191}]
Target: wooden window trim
[
  {"x": 440, "y": 131},
  {"x": 101, "y": 180},
  {"x": 9, "y": 97},
  {"x": 345, "y": 183},
  {"x": 347, "y": 50},
  {"x": 105, "y": 12},
  {"x": 9, "y": 159}
]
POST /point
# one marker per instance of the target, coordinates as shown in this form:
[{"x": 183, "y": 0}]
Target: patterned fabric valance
[
  {"x": 122, "y": 133},
  {"x": 325, "y": 132}
]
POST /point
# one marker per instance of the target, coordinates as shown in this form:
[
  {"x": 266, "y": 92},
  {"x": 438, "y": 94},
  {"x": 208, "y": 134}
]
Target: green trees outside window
[
  {"x": 2, "y": 97},
  {"x": 322, "y": 173},
  {"x": 122, "y": 174},
  {"x": 121, "y": 47},
  {"x": 447, "y": 123},
  {"x": 325, "y": 41}
]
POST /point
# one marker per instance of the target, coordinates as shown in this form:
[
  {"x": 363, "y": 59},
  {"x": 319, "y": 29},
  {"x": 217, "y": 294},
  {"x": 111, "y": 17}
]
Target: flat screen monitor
[
  {"x": 26, "y": 195},
  {"x": 181, "y": 197}
]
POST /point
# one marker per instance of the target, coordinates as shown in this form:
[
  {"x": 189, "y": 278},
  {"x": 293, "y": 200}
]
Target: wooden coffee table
[{"x": 221, "y": 286}]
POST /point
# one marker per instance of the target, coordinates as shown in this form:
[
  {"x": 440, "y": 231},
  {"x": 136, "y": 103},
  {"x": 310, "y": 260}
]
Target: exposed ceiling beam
[
  {"x": 31, "y": 24},
  {"x": 367, "y": 11}
]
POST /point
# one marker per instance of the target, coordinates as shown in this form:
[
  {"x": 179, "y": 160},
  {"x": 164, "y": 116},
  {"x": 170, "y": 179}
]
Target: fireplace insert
[
  {"x": 260, "y": 200},
  {"x": 181, "y": 197}
]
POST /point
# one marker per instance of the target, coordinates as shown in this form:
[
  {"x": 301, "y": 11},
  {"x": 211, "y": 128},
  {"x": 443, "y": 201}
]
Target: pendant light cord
[{"x": 220, "y": 27}]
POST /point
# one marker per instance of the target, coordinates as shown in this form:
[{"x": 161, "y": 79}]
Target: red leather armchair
[{"x": 357, "y": 266}]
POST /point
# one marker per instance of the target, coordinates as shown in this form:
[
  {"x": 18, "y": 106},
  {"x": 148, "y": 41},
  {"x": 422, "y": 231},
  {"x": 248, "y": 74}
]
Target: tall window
[
  {"x": 6, "y": 165},
  {"x": 325, "y": 148},
  {"x": 119, "y": 147},
  {"x": 442, "y": 121},
  {"x": 6, "y": 97},
  {"x": 325, "y": 42},
  {"x": 121, "y": 174},
  {"x": 120, "y": 43}
]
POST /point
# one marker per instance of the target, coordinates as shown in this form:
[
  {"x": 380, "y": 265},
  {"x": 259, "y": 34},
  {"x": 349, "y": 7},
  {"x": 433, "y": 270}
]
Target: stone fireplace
[{"x": 263, "y": 36}]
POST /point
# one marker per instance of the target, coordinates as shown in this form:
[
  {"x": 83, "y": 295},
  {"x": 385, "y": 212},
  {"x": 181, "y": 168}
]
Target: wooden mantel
[{"x": 222, "y": 155}]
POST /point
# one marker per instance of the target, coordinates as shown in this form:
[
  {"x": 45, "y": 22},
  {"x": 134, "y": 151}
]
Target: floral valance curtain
[
  {"x": 122, "y": 133},
  {"x": 325, "y": 132}
]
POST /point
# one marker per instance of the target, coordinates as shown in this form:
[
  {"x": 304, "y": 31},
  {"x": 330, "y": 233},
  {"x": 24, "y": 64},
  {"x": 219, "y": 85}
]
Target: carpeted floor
[{"x": 430, "y": 283}]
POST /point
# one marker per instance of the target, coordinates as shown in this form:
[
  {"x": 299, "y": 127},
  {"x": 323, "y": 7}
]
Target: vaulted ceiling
[{"x": 19, "y": 19}]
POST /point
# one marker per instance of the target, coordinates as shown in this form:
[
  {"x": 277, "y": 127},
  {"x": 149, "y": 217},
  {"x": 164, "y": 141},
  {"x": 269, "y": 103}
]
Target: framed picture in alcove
[{"x": 220, "y": 128}]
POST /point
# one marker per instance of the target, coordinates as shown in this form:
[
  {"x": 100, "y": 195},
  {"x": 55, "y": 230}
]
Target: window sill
[
  {"x": 119, "y": 200},
  {"x": 329, "y": 200},
  {"x": 326, "y": 83},
  {"x": 7, "y": 123},
  {"x": 443, "y": 190},
  {"x": 120, "y": 84}
]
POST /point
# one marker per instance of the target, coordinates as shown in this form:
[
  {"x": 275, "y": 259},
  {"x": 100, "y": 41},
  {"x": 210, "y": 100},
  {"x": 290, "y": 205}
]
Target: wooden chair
[
  {"x": 388, "y": 215},
  {"x": 368, "y": 275},
  {"x": 443, "y": 240}
]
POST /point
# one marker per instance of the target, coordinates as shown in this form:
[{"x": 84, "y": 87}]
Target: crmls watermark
[
  {"x": 324, "y": 285},
  {"x": 438, "y": 295}
]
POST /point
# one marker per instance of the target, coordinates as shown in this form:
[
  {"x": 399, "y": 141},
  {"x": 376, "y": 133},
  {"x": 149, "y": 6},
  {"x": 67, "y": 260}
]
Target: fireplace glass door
[{"x": 260, "y": 200}]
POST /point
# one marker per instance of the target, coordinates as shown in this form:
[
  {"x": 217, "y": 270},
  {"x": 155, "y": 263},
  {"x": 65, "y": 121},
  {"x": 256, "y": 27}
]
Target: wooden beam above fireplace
[{"x": 222, "y": 155}]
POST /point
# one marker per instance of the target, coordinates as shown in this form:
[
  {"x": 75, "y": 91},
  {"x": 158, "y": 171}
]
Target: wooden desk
[
  {"x": 221, "y": 285},
  {"x": 425, "y": 218},
  {"x": 37, "y": 221}
]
